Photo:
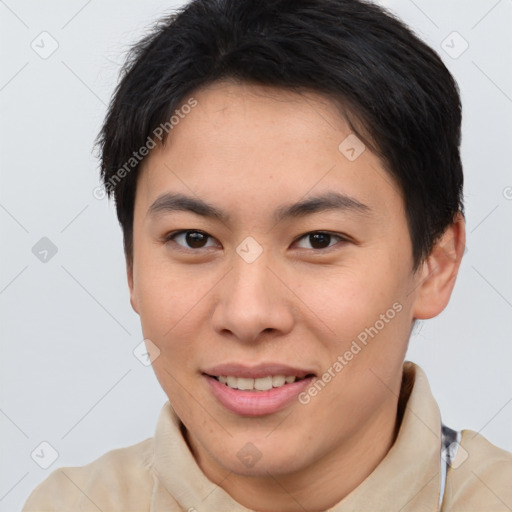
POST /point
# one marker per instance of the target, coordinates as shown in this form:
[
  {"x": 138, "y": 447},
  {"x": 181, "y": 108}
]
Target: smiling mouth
[{"x": 259, "y": 384}]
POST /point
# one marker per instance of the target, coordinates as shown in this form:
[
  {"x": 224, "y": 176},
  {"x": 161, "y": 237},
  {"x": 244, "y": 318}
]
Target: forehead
[{"x": 248, "y": 146}]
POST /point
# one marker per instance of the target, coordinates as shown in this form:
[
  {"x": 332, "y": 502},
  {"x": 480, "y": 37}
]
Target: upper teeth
[{"x": 261, "y": 384}]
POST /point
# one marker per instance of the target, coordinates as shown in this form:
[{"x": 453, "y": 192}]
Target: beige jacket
[{"x": 161, "y": 475}]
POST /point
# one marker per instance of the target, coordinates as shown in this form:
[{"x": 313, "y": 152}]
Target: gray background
[{"x": 68, "y": 373}]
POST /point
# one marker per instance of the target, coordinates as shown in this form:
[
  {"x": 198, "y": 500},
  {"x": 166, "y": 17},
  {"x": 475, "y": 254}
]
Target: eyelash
[{"x": 170, "y": 238}]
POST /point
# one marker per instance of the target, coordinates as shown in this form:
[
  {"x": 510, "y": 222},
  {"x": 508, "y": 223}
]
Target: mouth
[
  {"x": 256, "y": 391},
  {"x": 258, "y": 384}
]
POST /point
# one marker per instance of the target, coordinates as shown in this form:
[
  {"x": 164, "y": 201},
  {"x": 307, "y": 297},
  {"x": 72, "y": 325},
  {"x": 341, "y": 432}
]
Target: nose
[{"x": 253, "y": 302}]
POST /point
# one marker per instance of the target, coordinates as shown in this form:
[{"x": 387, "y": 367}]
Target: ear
[
  {"x": 133, "y": 297},
  {"x": 437, "y": 275}
]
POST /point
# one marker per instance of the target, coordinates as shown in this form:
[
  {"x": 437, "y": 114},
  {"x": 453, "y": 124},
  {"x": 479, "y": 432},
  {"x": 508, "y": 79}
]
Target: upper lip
[{"x": 257, "y": 371}]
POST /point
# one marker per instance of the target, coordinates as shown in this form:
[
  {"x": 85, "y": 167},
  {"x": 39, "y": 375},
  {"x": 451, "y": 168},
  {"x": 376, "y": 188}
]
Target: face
[{"x": 290, "y": 260}]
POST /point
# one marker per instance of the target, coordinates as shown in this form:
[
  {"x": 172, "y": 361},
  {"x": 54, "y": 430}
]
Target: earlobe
[{"x": 437, "y": 276}]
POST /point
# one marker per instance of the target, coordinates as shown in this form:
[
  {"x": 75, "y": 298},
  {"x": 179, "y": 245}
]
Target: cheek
[
  {"x": 173, "y": 304},
  {"x": 364, "y": 311},
  {"x": 346, "y": 300},
  {"x": 159, "y": 305},
  {"x": 165, "y": 293}
]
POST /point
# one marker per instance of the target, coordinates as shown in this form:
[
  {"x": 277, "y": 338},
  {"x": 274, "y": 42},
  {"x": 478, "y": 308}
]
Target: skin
[{"x": 248, "y": 150}]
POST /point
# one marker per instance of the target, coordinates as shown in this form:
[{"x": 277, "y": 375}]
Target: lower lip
[{"x": 257, "y": 403}]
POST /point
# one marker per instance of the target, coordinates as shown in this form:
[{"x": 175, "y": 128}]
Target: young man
[{"x": 288, "y": 180}]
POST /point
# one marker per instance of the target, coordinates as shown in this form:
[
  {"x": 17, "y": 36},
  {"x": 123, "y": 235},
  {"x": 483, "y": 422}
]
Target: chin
[{"x": 261, "y": 458}]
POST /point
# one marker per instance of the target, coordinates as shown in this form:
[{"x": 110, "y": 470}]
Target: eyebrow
[{"x": 171, "y": 202}]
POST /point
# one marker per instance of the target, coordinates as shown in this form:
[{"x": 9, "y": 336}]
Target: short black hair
[{"x": 394, "y": 87}]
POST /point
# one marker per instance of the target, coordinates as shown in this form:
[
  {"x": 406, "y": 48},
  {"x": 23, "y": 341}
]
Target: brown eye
[
  {"x": 190, "y": 239},
  {"x": 320, "y": 240}
]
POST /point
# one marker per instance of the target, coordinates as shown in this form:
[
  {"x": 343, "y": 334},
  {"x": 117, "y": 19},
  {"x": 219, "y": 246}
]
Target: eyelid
[
  {"x": 168, "y": 237},
  {"x": 340, "y": 236}
]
